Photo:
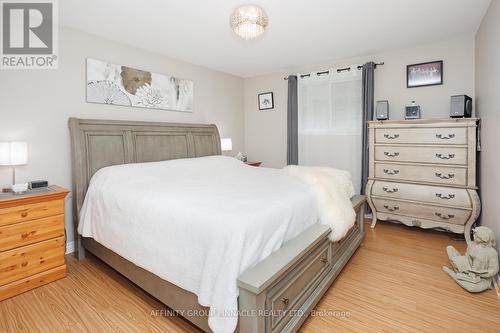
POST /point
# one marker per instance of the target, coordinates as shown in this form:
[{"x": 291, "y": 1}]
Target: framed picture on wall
[
  {"x": 424, "y": 74},
  {"x": 115, "y": 84},
  {"x": 266, "y": 101}
]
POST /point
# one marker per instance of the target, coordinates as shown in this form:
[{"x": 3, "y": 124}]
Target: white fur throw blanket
[{"x": 333, "y": 190}]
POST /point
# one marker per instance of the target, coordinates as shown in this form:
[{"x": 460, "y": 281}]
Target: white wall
[
  {"x": 35, "y": 104},
  {"x": 488, "y": 109},
  {"x": 265, "y": 132}
]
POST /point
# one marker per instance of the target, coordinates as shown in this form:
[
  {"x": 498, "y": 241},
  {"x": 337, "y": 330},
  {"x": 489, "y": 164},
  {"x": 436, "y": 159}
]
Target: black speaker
[
  {"x": 382, "y": 110},
  {"x": 461, "y": 106}
]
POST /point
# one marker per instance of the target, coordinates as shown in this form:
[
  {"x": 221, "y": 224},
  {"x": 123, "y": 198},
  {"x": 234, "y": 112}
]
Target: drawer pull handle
[
  {"x": 391, "y": 137},
  {"x": 416, "y": 223},
  {"x": 391, "y": 209},
  {"x": 445, "y": 137},
  {"x": 446, "y": 197},
  {"x": 395, "y": 154},
  {"x": 388, "y": 190},
  {"x": 391, "y": 172},
  {"x": 24, "y": 214},
  {"x": 324, "y": 260},
  {"x": 445, "y": 216},
  {"x": 441, "y": 156},
  {"x": 285, "y": 301},
  {"x": 449, "y": 176},
  {"x": 25, "y": 235}
]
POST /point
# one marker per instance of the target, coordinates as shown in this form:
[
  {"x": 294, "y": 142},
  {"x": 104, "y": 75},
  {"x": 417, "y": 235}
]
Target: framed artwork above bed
[{"x": 109, "y": 83}]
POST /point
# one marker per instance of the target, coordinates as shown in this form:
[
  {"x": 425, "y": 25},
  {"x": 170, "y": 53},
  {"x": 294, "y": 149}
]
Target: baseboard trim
[{"x": 70, "y": 247}]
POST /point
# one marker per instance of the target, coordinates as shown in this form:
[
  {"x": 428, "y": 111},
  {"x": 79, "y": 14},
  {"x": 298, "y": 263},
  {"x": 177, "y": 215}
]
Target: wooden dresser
[
  {"x": 423, "y": 173},
  {"x": 32, "y": 240}
]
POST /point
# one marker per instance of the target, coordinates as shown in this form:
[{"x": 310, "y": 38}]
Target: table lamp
[
  {"x": 226, "y": 144},
  {"x": 12, "y": 154}
]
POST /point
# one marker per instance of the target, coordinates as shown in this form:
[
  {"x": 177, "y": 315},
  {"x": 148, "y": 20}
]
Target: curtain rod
[{"x": 339, "y": 70}]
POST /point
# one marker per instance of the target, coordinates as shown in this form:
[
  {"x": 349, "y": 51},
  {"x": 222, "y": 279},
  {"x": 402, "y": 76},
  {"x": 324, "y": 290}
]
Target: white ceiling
[{"x": 300, "y": 31}]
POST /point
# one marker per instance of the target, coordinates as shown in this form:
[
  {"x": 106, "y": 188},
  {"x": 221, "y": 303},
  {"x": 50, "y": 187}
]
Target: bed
[{"x": 279, "y": 287}]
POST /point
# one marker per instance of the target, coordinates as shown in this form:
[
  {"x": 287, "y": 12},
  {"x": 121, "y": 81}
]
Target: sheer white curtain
[{"x": 330, "y": 121}]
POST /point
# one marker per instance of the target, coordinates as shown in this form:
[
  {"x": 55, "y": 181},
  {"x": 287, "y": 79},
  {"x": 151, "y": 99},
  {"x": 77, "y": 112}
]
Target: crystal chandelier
[{"x": 248, "y": 21}]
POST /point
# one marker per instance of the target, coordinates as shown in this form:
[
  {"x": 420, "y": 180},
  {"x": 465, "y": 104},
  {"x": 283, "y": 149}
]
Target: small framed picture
[
  {"x": 266, "y": 101},
  {"x": 424, "y": 74}
]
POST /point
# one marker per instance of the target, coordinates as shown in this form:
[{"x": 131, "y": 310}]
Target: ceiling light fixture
[{"x": 248, "y": 21}]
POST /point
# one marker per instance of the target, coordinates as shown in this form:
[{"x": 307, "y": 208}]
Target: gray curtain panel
[
  {"x": 368, "y": 106},
  {"x": 292, "y": 152}
]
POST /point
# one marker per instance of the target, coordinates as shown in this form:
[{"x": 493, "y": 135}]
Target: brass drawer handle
[
  {"x": 285, "y": 301},
  {"x": 391, "y": 137},
  {"x": 324, "y": 260},
  {"x": 445, "y": 197},
  {"x": 388, "y": 190},
  {"x": 391, "y": 209},
  {"x": 395, "y": 154},
  {"x": 441, "y": 156},
  {"x": 449, "y": 176},
  {"x": 444, "y": 216},
  {"x": 24, "y": 214},
  {"x": 445, "y": 137},
  {"x": 391, "y": 172}
]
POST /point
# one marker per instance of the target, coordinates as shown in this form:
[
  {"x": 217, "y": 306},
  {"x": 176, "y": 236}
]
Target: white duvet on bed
[{"x": 198, "y": 223}]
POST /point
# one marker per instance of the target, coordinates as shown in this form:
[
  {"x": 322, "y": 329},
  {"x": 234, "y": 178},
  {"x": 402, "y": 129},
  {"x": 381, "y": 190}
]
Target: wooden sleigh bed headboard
[{"x": 100, "y": 143}]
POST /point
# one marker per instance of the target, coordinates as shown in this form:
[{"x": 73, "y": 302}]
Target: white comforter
[{"x": 198, "y": 223}]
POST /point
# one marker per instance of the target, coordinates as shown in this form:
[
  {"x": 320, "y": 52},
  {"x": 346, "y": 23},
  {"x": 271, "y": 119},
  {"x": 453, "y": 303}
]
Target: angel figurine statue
[{"x": 477, "y": 269}]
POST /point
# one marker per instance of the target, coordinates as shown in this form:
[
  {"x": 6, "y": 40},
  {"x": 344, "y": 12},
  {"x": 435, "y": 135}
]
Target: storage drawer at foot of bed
[
  {"x": 338, "y": 247},
  {"x": 285, "y": 299}
]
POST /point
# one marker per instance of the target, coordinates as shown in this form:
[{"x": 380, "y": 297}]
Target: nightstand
[
  {"x": 254, "y": 163},
  {"x": 32, "y": 241}
]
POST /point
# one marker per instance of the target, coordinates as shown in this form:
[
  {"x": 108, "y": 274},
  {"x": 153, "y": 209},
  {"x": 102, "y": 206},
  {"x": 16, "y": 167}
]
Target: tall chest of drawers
[
  {"x": 32, "y": 240},
  {"x": 423, "y": 173}
]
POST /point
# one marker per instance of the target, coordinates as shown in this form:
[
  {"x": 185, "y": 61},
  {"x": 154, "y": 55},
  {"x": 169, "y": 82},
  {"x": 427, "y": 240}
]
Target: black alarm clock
[{"x": 412, "y": 112}]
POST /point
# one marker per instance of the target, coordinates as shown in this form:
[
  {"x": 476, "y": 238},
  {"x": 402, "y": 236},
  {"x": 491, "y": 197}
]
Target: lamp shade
[
  {"x": 226, "y": 144},
  {"x": 13, "y": 153}
]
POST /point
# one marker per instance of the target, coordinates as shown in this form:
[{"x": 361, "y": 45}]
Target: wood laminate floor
[{"x": 394, "y": 283}]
